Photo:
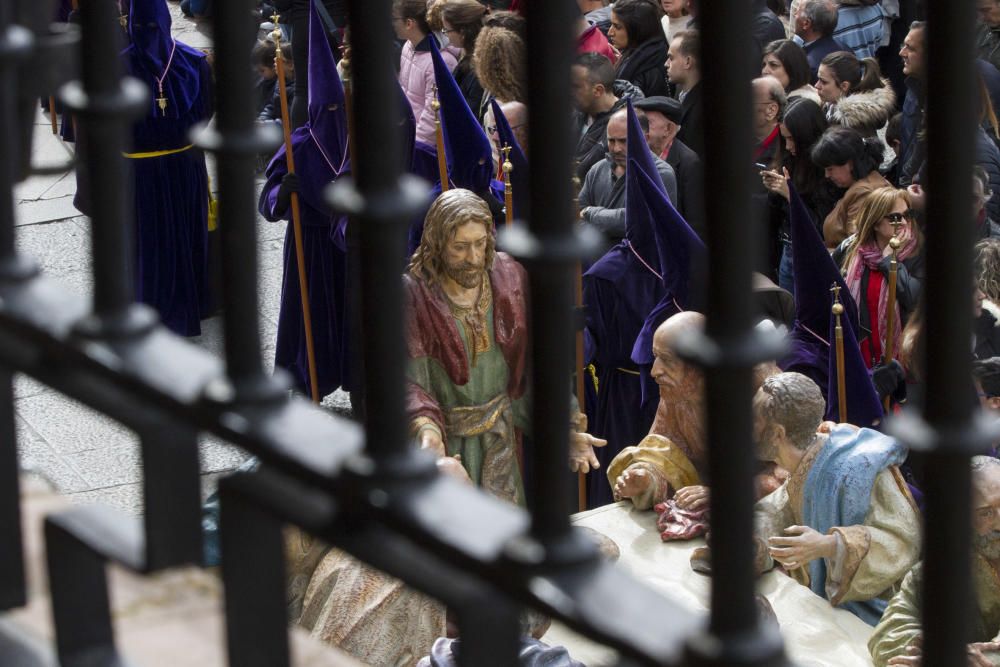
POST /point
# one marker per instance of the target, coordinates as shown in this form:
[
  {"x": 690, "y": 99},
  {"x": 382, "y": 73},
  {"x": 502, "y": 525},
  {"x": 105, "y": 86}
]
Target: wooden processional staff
[
  {"x": 890, "y": 311},
  {"x": 439, "y": 135},
  {"x": 279, "y": 65},
  {"x": 838, "y": 310}
]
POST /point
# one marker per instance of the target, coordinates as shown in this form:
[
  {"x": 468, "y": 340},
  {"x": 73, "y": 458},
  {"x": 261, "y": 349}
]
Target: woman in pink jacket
[{"x": 416, "y": 70}]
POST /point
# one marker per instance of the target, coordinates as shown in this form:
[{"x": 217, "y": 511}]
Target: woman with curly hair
[
  {"x": 500, "y": 57},
  {"x": 461, "y": 23},
  {"x": 636, "y": 32},
  {"x": 865, "y": 258}
]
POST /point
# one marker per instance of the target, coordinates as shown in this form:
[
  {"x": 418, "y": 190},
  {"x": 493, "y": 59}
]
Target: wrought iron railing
[{"x": 367, "y": 491}]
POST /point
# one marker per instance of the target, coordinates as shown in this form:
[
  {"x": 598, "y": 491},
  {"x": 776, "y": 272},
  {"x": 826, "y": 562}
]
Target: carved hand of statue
[
  {"x": 803, "y": 546},
  {"x": 982, "y": 654},
  {"x": 692, "y": 498},
  {"x": 631, "y": 483},
  {"x": 430, "y": 439},
  {"x": 912, "y": 657},
  {"x": 452, "y": 466},
  {"x": 581, "y": 452}
]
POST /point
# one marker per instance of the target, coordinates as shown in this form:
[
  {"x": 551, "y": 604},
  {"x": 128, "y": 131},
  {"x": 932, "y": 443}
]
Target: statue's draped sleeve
[
  {"x": 669, "y": 469},
  {"x": 880, "y": 551},
  {"x": 900, "y": 623}
]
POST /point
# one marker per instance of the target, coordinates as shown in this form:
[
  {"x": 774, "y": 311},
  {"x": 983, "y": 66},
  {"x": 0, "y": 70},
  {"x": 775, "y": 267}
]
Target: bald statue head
[
  {"x": 670, "y": 372},
  {"x": 986, "y": 506}
]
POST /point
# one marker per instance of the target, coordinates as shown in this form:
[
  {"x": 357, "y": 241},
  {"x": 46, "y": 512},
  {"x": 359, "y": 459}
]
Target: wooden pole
[
  {"x": 838, "y": 310},
  {"x": 439, "y": 135},
  {"x": 508, "y": 192},
  {"x": 52, "y": 115},
  {"x": 890, "y": 313},
  {"x": 279, "y": 65}
]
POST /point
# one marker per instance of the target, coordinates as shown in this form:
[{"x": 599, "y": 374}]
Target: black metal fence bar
[
  {"x": 951, "y": 122},
  {"x": 171, "y": 495},
  {"x": 15, "y": 43},
  {"x": 729, "y": 347},
  {"x": 12, "y": 584},
  {"x": 106, "y": 104},
  {"x": 384, "y": 206},
  {"x": 550, "y": 274},
  {"x": 236, "y": 143}
]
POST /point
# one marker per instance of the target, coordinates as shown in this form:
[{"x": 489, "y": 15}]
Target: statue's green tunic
[
  {"x": 483, "y": 404},
  {"x": 900, "y": 624},
  {"x": 466, "y": 373}
]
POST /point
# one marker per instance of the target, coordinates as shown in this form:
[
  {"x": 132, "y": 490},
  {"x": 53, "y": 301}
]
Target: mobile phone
[{"x": 761, "y": 166}]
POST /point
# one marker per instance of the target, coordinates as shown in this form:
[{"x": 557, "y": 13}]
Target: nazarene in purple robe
[{"x": 321, "y": 152}]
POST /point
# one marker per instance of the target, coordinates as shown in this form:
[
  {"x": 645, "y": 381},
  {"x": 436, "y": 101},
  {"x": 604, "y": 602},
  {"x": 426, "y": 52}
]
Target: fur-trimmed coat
[{"x": 866, "y": 111}]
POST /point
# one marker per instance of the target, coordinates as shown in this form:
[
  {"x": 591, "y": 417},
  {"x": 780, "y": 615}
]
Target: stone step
[{"x": 171, "y": 619}]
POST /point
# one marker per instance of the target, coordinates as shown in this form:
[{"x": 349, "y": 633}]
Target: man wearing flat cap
[{"x": 664, "y": 115}]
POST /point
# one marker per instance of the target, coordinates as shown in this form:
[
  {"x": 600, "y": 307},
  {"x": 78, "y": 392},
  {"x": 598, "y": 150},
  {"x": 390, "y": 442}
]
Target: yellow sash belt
[{"x": 169, "y": 151}]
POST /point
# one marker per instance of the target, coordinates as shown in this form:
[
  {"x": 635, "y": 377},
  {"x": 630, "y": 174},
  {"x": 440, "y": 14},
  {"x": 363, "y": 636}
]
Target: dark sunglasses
[{"x": 899, "y": 217}]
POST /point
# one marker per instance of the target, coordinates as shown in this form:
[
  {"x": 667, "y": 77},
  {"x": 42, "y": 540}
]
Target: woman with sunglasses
[{"x": 865, "y": 257}]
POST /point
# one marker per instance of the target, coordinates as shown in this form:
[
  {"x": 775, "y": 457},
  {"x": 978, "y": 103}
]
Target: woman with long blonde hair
[{"x": 865, "y": 260}]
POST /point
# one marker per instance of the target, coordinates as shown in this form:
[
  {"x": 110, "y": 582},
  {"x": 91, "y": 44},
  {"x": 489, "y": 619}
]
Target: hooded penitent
[
  {"x": 519, "y": 174},
  {"x": 321, "y": 156},
  {"x": 470, "y": 160},
  {"x": 170, "y": 68},
  {"x": 619, "y": 292},
  {"x": 319, "y": 146},
  {"x": 812, "y": 343}
]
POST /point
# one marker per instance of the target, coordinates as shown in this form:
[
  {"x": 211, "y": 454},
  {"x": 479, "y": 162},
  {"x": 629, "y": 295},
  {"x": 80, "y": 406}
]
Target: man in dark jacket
[
  {"x": 602, "y": 199},
  {"x": 765, "y": 27},
  {"x": 814, "y": 22},
  {"x": 684, "y": 70},
  {"x": 988, "y": 31},
  {"x": 596, "y": 96},
  {"x": 912, "y": 53},
  {"x": 664, "y": 120}
]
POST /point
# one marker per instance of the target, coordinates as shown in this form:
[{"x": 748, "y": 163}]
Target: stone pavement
[{"x": 83, "y": 454}]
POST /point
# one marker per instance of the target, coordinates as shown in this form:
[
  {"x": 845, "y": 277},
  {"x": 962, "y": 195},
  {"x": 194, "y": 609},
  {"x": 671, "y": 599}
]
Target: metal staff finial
[
  {"x": 508, "y": 193},
  {"x": 276, "y": 33}
]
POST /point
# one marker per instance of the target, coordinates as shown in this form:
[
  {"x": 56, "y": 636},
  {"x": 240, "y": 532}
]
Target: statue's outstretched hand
[
  {"x": 692, "y": 498},
  {"x": 980, "y": 653},
  {"x": 912, "y": 657},
  {"x": 801, "y": 546},
  {"x": 581, "y": 452},
  {"x": 631, "y": 483}
]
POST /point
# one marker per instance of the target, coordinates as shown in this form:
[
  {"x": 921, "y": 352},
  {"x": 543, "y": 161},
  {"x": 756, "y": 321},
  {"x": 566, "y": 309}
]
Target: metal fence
[{"x": 367, "y": 491}]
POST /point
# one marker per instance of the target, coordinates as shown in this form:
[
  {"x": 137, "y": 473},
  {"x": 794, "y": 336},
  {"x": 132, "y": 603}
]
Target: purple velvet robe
[{"x": 618, "y": 294}]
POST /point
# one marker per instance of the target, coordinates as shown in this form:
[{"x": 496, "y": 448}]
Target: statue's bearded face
[
  {"x": 465, "y": 254},
  {"x": 986, "y": 511},
  {"x": 672, "y": 374}
]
